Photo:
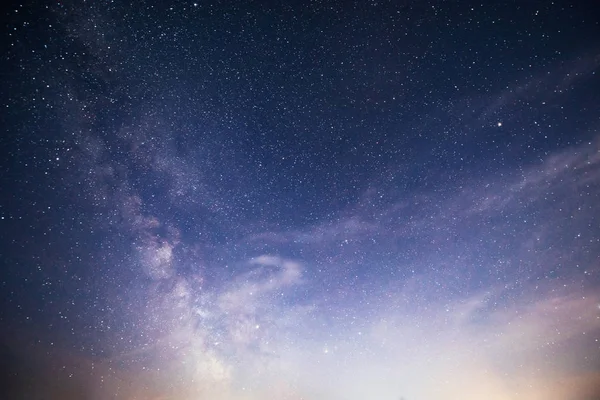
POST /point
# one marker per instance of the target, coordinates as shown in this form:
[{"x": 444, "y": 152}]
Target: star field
[{"x": 300, "y": 200}]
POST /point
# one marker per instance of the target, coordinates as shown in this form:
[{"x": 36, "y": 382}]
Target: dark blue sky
[{"x": 340, "y": 200}]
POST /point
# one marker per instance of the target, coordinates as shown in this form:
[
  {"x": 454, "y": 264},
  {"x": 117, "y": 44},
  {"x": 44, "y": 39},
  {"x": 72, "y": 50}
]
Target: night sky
[{"x": 245, "y": 200}]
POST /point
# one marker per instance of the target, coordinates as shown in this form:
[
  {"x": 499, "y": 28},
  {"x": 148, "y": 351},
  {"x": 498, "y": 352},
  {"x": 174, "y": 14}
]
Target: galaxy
[{"x": 300, "y": 200}]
